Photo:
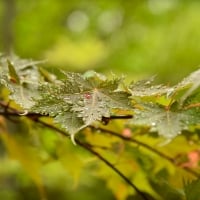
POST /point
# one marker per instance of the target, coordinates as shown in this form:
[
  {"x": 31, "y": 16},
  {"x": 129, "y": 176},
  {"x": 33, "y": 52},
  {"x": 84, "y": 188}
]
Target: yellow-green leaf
[
  {"x": 12, "y": 72},
  {"x": 70, "y": 160},
  {"x": 27, "y": 156}
]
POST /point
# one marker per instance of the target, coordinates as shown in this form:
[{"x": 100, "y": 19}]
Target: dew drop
[{"x": 153, "y": 124}]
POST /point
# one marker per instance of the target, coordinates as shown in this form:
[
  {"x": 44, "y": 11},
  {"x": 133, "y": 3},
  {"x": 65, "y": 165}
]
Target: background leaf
[
  {"x": 20, "y": 151},
  {"x": 191, "y": 189}
]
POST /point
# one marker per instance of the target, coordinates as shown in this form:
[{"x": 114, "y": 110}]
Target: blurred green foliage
[{"x": 137, "y": 38}]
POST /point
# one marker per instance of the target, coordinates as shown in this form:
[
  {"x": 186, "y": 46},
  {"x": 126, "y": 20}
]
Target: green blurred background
[
  {"x": 134, "y": 37},
  {"x": 137, "y": 38}
]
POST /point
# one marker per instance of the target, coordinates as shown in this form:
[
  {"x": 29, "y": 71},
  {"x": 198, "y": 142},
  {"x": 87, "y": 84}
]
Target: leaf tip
[
  {"x": 73, "y": 139},
  {"x": 25, "y": 112}
]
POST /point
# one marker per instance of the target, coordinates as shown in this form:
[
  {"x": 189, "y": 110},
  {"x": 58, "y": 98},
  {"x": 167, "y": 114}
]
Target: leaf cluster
[{"x": 80, "y": 100}]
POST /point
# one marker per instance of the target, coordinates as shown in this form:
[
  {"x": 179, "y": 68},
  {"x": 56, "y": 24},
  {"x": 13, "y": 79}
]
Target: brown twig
[
  {"x": 146, "y": 146},
  {"x": 194, "y": 105}
]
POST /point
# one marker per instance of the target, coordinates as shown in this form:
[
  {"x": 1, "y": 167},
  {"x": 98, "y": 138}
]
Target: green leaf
[
  {"x": 70, "y": 121},
  {"x": 80, "y": 100},
  {"x": 145, "y": 88},
  {"x": 179, "y": 92},
  {"x": 98, "y": 104},
  {"x": 191, "y": 83},
  {"x": 165, "y": 190},
  {"x": 21, "y": 77},
  {"x": 166, "y": 122},
  {"x": 193, "y": 78},
  {"x": 51, "y": 101},
  {"x": 191, "y": 189}
]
